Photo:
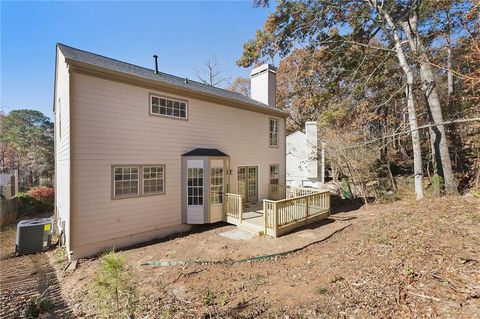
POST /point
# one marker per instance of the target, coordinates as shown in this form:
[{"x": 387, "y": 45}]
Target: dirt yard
[{"x": 401, "y": 260}]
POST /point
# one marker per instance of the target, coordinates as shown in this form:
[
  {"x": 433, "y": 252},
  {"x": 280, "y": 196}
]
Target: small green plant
[
  {"x": 32, "y": 310},
  {"x": 321, "y": 290},
  {"x": 167, "y": 313},
  {"x": 224, "y": 298},
  {"x": 381, "y": 239},
  {"x": 208, "y": 297},
  {"x": 37, "y": 306},
  {"x": 60, "y": 255},
  {"x": 112, "y": 289},
  {"x": 409, "y": 272}
]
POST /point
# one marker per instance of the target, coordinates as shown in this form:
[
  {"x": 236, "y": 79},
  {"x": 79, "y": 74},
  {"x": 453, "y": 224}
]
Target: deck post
[
  {"x": 240, "y": 210},
  {"x": 328, "y": 201},
  {"x": 307, "y": 199},
  {"x": 225, "y": 205},
  {"x": 275, "y": 211},
  {"x": 265, "y": 217}
]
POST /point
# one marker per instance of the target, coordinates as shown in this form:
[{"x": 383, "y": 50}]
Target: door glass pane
[
  {"x": 252, "y": 184},
  {"x": 195, "y": 186},
  {"x": 242, "y": 179}
]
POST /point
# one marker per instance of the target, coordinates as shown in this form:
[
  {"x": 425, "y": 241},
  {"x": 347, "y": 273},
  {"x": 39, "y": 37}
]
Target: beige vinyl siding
[
  {"x": 112, "y": 126},
  {"x": 62, "y": 145}
]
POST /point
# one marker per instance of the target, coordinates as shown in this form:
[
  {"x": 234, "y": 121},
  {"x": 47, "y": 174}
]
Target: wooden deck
[{"x": 277, "y": 217}]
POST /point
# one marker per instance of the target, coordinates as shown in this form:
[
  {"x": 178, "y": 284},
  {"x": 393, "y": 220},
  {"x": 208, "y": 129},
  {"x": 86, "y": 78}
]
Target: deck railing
[
  {"x": 233, "y": 207},
  {"x": 301, "y": 206},
  {"x": 279, "y": 191},
  {"x": 284, "y": 215}
]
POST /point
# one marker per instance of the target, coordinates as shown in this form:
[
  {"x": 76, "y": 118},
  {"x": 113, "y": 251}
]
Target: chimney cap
[{"x": 262, "y": 68}]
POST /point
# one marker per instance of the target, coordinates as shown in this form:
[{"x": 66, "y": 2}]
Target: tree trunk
[
  {"x": 455, "y": 135},
  {"x": 417, "y": 151},
  {"x": 412, "y": 116},
  {"x": 435, "y": 180},
  {"x": 434, "y": 110}
]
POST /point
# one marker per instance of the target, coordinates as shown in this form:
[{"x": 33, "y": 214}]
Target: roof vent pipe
[{"x": 155, "y": 57}]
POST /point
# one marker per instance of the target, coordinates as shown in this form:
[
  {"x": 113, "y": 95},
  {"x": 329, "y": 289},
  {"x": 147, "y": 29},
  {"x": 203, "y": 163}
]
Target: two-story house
[{"x": 141, "y": 154}]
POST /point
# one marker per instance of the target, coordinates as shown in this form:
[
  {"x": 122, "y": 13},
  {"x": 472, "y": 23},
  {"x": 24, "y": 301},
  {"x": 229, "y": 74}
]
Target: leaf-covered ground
[{"x": 405, "y": 259}]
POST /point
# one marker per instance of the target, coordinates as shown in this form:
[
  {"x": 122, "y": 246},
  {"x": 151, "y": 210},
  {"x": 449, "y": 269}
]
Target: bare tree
[
  {"x": 412, "y": 117},
  {"x": 241, "y": 85},
  {"x": 213, "y": 75},
  {"x": 429, "y": 87}
]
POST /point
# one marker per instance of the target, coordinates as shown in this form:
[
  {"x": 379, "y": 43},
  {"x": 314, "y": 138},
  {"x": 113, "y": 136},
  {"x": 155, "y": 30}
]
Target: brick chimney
[{"x": 263, "y": 81}]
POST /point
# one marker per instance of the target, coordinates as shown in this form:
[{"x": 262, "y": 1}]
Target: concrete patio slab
[{"x": 237, "y": 234}]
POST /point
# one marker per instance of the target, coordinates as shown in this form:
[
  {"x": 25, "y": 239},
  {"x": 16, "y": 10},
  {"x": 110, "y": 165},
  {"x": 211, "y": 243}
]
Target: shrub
[
  {"x": 38, "y": 306},
  {"x": 112, "y": 289},
  {"x": 27, "y": 205},
  {"x": 44, "y": 195},
  {"x": 36, "y": 201}
]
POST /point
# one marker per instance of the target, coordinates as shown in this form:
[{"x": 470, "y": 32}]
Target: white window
[
  {"x": 168, "y": 107},
  {"x": 153, "y": 179},
  {"x": 274, "y": 174},
  {"x": 216, "y": 186},
  {"x": 195, "y": 186},
  {"x": 125, "y": 181},
  {"x": 273, "y": 132},
  {"x": 128, "y": 180}
]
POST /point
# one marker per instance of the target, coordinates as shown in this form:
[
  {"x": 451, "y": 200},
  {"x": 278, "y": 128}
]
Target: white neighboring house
[{"x": 305, "y": 159}]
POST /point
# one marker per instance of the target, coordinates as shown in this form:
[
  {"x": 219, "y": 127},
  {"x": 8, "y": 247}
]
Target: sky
[{"x": 182, "y": 34}]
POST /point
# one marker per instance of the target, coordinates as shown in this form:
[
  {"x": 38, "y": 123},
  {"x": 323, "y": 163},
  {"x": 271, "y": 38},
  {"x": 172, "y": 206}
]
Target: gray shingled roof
[
  {"x": 205, "y": 152},
  {"x": 149, "y": 74}
]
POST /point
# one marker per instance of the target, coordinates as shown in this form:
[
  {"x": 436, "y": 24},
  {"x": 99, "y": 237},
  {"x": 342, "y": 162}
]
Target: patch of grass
[
  {"x": 382, "y": 223},
  {"x": 167, "y": 313},
  {"x": 475, "y": 218},
  {"x": 60, "y": 255},
  {"x": 208, "y": 297},
  {"x": 321, "y": 290},
  {"x": 381, "y": 239}
]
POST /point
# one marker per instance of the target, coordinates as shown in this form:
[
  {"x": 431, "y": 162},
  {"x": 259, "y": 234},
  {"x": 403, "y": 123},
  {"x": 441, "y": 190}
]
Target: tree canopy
[
  {"x": 26, "y": 144},
  {"x": 377, "y": 68}
]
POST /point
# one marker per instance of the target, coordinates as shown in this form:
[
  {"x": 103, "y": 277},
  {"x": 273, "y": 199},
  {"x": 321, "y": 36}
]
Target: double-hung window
[
  {"x": 153, "y": 179},
  {"x": 165, "y": 106},
  {"x": 216, "y": 186},
  {"x": 126, "y": 181},
  {"x": 274, "y": 174},
  {"x": 273, "y": 133},
  {"x": 138, "y": 180}
]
